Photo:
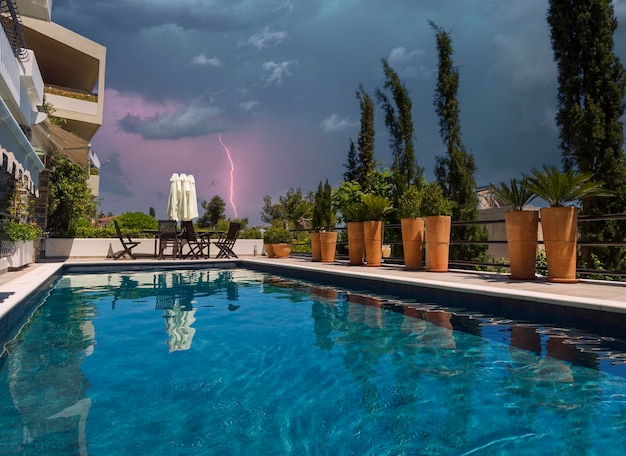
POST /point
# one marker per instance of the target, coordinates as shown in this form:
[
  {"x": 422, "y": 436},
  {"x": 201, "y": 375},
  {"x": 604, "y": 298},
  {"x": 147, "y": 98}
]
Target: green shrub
[
  {"x": 136, "y": 222},
  {"x": 22, "y": 231},
  {"x": 250, "y": 233},
  {"x": 410, "y": 202},
  {"x": 434, "y": 202},
  {"x": 277, "y": 235},
  {"x": 95, "y": 232}
]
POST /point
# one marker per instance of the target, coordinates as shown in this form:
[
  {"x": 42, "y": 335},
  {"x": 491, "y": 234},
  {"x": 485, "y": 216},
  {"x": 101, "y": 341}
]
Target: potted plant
[
  {"x": 559, "y": 222},
  {"x": 317, "y": 221},
  {"x": 277, "y": 242},
  {"x": 23, "y": 237},
  {"x": 325, "y": 218},
  {"x": 412, "y": 226},
  {"x": 521, "y": 227},
  {"x": 437, "y": 212},
  {"x": 376, "y": 208},
  {"x": 353, "y": 214}
]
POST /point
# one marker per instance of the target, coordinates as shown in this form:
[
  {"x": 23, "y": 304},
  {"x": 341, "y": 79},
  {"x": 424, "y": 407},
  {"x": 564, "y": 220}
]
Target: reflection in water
[
  {"x": 51, "y": 352},
  {"x": 178, "y": 323}
]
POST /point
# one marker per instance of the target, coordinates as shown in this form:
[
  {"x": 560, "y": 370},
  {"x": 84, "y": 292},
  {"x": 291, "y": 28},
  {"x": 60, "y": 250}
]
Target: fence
[{"x": 393, "y": 238}]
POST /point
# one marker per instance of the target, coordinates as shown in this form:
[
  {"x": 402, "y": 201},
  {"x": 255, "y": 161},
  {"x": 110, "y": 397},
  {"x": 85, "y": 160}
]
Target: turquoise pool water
[{"x": 237, "y": 362}]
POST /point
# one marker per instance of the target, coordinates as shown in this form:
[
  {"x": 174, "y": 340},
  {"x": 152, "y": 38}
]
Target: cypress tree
[
  {"x": 591, "y": 91},
  {"x": 399, "y": 122},
  {"x": 352, "y": 165},
  {"x": 366, "y": 138},
  {"x": 455, "y": 171}
]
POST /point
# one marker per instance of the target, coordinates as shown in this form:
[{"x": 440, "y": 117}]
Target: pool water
[{"x": 237, "y": 362}]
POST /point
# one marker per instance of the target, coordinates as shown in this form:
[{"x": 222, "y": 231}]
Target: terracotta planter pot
[
  {"x": 328, "y": 246},
  {"x": 521, "y": 237},
  {"x": 316, "y": 247},
  {"x": 560, "y": 230},
  {"x": 437, "y": 242},
  {"x": 413, "y": 242},
  {"x": 281, "y": 250},
  {"x": 269, "y": 248},
  {"x": 373, "y": 238},
  {"x": 356, "y": 246}
]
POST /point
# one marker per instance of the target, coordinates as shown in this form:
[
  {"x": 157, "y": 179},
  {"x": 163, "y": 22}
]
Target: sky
[{"x": 276, "y": 80}]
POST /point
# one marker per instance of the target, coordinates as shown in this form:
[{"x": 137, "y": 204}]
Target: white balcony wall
[
  {"x": 72, "y": 108},
  {"x": 9, "y": 73},
  {"x": 31, "y": 94},
  {"x": 39, "y": 9}
]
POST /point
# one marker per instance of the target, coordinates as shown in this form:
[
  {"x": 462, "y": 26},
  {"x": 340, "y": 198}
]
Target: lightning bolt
[{"x": 232, "y": 172}]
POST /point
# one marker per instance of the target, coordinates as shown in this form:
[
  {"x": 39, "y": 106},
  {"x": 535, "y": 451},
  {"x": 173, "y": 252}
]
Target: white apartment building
[{"x": 42, "y": 61}]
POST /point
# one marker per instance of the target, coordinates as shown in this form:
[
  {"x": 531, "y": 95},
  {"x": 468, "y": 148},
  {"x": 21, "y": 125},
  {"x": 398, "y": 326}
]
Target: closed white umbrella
[
  {"x": 190, "y": 209},
  {"x": 173, "y": 202}
]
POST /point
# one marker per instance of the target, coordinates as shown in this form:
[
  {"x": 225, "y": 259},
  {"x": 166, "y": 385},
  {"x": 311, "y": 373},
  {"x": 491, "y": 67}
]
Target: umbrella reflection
[{"x": 178, "y": 323}]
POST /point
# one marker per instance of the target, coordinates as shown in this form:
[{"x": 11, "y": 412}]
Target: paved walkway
[{"x": 588, "y": 294}]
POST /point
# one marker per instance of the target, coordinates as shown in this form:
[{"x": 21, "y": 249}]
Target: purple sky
[{"x": 277, "y": 80}]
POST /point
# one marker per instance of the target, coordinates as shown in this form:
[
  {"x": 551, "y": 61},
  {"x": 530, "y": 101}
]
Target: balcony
[
  {"x": 39, "y": 9},
  {"x": 9, "y": 74},
  {"x": 72, "y": 68}
]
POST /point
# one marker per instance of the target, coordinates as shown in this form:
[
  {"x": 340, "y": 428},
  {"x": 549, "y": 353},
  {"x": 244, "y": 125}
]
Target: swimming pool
[{"x": 233, "y": 361}]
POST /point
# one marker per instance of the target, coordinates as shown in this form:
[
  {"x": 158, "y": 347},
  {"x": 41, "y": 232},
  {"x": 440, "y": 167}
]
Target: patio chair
[
  {"x": 168, "y": 237},
  {"x": 127, "y": 243},
  {"x": 227, "y": 241},
  {"x": 195, "y": 242}
]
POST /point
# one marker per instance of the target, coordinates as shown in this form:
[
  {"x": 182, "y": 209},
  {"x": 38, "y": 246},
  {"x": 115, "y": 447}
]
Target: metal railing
[{"x": 393, "y": 238}]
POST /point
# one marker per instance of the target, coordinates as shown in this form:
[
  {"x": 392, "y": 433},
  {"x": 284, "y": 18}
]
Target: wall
[{"x": 102, "y": 248}]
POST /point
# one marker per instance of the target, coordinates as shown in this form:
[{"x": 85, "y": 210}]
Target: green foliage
[
  {"x": 562, "y": 188},
  {"x": 365, "y": 162},
  {"x": 152, "y": 212},
  {"x": 213, "y": 212},
  {"x": 277, "y": 235},
  {"x": 434, "y": 202},
  {"x": 376, "y": 207},
  {"x": 354, "y": 212},
  {"x": 250, "y": 233},
  {"x": 410, "y": 203},
  {"x": 70, "y": 197},
  {"x": 22, "y": 231},
  {"x": 352, "y": 164},
  {"x": 292, "y": 207},
  {"x": 324, "y": 214},
  {"x": 135, "y": 222},
  {"x": 381, "y": 182},
  {"x": 513, "y": 194},
  {"x": 399, "y": 123},
  {"x": 590, "y": 116}
]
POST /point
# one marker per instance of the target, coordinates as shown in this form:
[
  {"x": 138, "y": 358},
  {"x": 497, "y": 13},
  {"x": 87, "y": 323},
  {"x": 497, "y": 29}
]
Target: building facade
[{"x": 52, "y": 90}]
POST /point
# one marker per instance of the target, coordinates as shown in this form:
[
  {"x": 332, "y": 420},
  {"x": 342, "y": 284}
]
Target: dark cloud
[
  {"x": 289, "y": 71},
  {"x": 186, "y": 123}
]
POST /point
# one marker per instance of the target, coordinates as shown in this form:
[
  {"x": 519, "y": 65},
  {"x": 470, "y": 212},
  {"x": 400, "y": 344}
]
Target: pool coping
[{"x": 607, "y": 298}]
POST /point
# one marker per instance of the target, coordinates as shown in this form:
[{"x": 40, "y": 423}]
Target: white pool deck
[{"x": 15, "y": 286}]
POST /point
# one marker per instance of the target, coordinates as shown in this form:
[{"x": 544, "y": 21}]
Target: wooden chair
[
  {"x": 227, "y": 241},
  {"x": 127, "y": 243},
  {"x": 168, "y": 237},
  {"x": 195, "y": 243}
]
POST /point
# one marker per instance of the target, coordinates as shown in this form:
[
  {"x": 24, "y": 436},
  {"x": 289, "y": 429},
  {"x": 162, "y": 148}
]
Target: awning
[
  {"x": 17, "y": 155},
  {"x": 65, "y": 143}
]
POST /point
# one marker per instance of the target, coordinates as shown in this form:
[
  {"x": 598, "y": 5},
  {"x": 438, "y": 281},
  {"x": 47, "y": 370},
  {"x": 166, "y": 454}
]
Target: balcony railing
[{"x": 393, "y": 238}]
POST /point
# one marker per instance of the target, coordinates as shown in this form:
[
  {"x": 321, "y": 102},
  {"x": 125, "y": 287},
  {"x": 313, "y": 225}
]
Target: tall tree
[
  {"x": 70, "y": 197},
  {"x": 455, "y": 171},
  {"x": 365, "y": 142},
  {"x": 352, "y": 164},
  {"x": 213, "y": 212},
  {"x": 591, "y": 91},
  {"x": 399, "y": 123},
  {"x": 293, "y": 208}
]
